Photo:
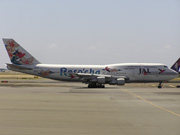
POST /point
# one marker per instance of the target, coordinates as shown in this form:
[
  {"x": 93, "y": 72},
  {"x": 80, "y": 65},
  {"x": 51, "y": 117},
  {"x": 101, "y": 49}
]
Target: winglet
[
  {"x": 176, "y": 66},
  {"x": 18, "y": 55}
]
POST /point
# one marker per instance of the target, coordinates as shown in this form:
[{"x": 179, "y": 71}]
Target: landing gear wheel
[
  {"x": 103, "y": 86},
  {"x": 100, "y": 86},
  {"x": 89, "y": 86},
  {"x": 92, "y": 85},
  {"x": 160, "y": 85}
]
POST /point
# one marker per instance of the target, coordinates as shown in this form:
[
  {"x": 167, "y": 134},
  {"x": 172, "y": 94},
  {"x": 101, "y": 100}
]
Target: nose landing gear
[{"x": 160, "y": 85}]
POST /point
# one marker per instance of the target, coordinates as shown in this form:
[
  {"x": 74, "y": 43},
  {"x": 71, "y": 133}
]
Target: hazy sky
[{"x": 93, "y": 31}]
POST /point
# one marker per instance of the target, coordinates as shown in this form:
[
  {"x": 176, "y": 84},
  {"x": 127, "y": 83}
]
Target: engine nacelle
[
  {"x": 120, "y": 81},
  {"x": 101, "y": 80},
  {"x": 113, "y": 82},
  {"x": 94, "y": 80}
]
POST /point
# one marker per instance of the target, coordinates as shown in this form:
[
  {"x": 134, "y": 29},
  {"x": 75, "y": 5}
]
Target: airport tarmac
[{"x": 46, "y": 107}]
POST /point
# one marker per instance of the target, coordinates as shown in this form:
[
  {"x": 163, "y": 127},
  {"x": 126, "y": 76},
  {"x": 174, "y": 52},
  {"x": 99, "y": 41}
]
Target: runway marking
[
  {"x": 157, "y": 106},
  {"x": 172, "y": 86}
]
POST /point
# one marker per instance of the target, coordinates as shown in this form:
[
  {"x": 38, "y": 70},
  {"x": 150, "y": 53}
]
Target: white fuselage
[
  {"x": 94, "y": 75},
  {"x": 133, "y": 72}
]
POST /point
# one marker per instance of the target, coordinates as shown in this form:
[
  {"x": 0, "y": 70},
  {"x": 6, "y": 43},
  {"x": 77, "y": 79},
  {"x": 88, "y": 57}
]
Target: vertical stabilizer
[
  {"x": 176, "y": 66},
  {"x": 18, "y": 55}
]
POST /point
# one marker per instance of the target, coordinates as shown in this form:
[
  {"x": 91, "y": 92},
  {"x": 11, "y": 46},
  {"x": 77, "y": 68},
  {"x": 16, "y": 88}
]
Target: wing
[{"x": 102, "y": 79}]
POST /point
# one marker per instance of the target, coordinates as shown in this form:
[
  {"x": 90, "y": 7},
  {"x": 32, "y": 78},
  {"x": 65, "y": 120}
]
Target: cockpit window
[{"x": 165, "y": 67}]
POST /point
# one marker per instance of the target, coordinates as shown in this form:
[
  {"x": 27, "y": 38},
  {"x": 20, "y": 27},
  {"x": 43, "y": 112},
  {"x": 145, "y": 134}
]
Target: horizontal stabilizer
[{"x": 18, "y": 67}]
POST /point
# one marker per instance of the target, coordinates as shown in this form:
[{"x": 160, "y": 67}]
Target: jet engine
[
  {"x": 119, "y": 81},
  {"x": 101, "y": 80},
  {"x": 113, "y": 82}
]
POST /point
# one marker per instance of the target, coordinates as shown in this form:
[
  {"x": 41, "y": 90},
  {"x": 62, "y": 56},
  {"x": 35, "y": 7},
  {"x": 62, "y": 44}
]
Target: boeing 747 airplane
[{"x": 96, "y": 76}]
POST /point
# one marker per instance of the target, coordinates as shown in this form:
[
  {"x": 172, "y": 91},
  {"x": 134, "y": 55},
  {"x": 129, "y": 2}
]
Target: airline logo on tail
[
  {"x": 176, "y": 66},
  {"x": 17, "y": 54}
]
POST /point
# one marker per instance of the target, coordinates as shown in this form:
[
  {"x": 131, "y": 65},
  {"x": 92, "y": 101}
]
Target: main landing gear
[
  {"x": 160, "y": 85},
  {"x": 94, "y": 85}
]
